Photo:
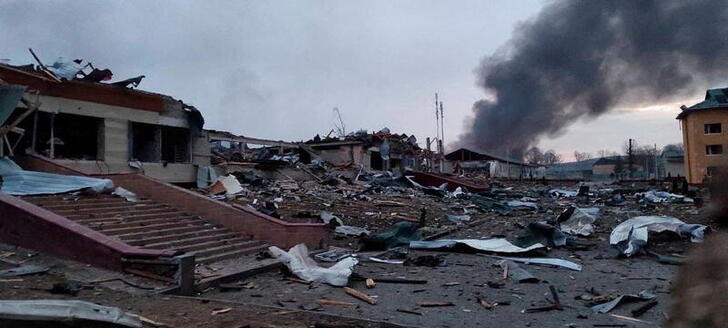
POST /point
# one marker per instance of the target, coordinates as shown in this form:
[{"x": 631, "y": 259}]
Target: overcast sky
[{"x": 276, "y": 69}]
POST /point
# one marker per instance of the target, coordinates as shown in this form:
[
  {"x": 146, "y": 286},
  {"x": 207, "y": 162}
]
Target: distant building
[
  {"x": 581, "y": 170},
  {"x": 673, "y": 164},
  {"x": 704, "y": 136},
  {"x": 468, "y": 161}
]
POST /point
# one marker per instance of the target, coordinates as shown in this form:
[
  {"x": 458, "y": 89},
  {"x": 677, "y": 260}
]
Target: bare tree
[
  {"x": 606, "y": 153},
  {"x": 551, "y": 157},
  {"x": 678, "y": 147},
  {"x": 582, "y": 156},
  {"x": 533, "y": 156}
]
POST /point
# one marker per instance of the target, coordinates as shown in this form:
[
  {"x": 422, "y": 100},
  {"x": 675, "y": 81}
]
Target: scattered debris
[
  {"x": 496, "y": 245},
  {"x": 402, "y": 233},
  {"x": 435, "y": 304},
  {"x": 609, "y": 306},
  {"x": 221, "y": 311},
  {"x": 555, "y": 303},
  {"x": 44, "y": 311},
  {"x": 516, "y": 273},
  {"x": 578, "y": 221},
  {"x": 24, "y": 270},
  {"x": 332, "y": 302},
  {"x": 540, "y": 260},
  {"x": 631, "y": 235},
  {"x": 304, "y": 267},
  {"x": 362, "y": 296}
]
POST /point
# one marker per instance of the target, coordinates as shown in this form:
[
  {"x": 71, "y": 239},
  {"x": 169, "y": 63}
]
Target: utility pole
[
  {"x": 442, "y": 129},
  {"x": 655, "y": 157},
  {"x": 631, "y": 159},
  {"x": 437, "y": 118}
]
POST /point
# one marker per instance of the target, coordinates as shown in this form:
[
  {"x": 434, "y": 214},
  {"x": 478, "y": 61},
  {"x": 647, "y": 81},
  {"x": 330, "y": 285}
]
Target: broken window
[
  {"x": 376, "y": 162},
  {"x": 73, "y": 136},
  {"x": 712, "y": 128},
  {"x": 713, "y": 149},
  {"x": 175, "y": 145},
  {"x": 145, "y": 142}
]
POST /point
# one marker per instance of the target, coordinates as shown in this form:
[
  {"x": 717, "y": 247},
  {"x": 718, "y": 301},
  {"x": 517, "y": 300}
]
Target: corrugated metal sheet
[{"x": 17, "y": 181}]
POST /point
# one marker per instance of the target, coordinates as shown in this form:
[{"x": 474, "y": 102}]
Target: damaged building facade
[
  {"x": 100, "y": 128},
  {"x": 382, "y": 150},
  {"x": 704, "y": 136}
]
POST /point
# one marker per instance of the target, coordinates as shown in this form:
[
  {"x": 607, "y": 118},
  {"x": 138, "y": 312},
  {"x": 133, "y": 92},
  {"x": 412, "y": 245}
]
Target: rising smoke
[{"x": 580, "y": 59}]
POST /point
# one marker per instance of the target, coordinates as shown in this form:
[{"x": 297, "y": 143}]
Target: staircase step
[
  {"x": 164, "y": 232},
  {"x": 132, "y": 218},
  {"x": 126, "y": 214},
  {"x": 117, "y": 223},
  {"x": 231, "y": 254},
  {"x": 193, "y": 247},
  {"x": 179, "y": 236},
  {"x": 82, "y": 205},
  {"x": 192, "y": 241},
  {"x": 222, "y": 249},
  {"x": 126, "y": 207},
  {"x": 152, "y": 228}
]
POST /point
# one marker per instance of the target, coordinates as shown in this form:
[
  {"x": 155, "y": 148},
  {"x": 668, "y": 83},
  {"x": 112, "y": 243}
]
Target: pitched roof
[{"x": 714, "y": 98}]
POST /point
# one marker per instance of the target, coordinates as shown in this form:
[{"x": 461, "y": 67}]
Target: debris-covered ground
[
  {"x": 417, "y": 255},
  {"x": 457, "y": 287}
]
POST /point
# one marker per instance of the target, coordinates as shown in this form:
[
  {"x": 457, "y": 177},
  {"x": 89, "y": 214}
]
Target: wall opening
[
  {"x": 145, "y": 142},
  {"x": 75, "y": 137},
  {"x": 175, "y": 145}
]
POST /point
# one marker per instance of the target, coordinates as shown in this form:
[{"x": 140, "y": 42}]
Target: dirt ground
[{"x": 170, "y": 310}]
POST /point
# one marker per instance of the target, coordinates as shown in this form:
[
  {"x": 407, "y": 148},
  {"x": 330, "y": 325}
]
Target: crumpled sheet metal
[
  {"x": 305, "y": 268},
  {"x": 580, "y": 222},
  {"x": 17, "y": 181},
  {"x": 351, "y": 230},
  {"x": 654, "y": 196},
  {"x": 495, "y": 245},
  {"x": 518, "y": 204},
  {"x": 540, "y": 261},
  {"x": 541, "y": 233},
  {"x": 401, "y": 233},
  {"x": 609, "y": 306},
  {"x": 559, "y": 193},
  {"x": 65, "y": 311},
  {"x": 629, "y": 236},
  {"x": 516, "y": 273}
]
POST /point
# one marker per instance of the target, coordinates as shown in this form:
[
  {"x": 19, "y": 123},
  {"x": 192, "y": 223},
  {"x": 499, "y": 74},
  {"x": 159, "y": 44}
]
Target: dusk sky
[{"x": 276, "y": 69}]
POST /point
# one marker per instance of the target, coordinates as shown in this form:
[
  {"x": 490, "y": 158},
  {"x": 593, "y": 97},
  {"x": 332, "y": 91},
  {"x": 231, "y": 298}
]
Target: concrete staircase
[{"x": 151, "y": 225}]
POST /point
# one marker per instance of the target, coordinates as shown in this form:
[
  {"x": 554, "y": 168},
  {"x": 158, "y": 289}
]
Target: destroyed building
[
  {"x": 468, "y": 161},
  {"x": 703, "y": 136},
  {"x": 90, "y": 165},
  {"x": 382, "y": 150},
  {"x": 102, "y": 128}
]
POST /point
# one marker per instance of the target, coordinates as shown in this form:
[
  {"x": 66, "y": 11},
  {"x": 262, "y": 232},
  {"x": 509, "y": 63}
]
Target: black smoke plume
[{"x": 580, "y": 59}]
